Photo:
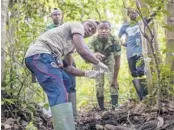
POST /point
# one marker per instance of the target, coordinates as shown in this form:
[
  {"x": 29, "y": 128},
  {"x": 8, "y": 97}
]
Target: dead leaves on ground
[{"x": 130, "y": 116}]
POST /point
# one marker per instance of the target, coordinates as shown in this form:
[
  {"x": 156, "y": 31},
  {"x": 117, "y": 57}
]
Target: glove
[
  {"x": 92, "y": 74},
  {"x": 101, "y": 66}
]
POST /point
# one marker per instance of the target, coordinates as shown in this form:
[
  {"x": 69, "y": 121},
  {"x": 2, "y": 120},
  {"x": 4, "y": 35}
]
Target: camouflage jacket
[{"x": 106, "y": 47}]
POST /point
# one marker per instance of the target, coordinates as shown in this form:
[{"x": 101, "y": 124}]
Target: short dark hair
[
  {"x": 56, "y": 9},
  {"x": 105, "y": 21},
  {"x": 92, "y": 20}
]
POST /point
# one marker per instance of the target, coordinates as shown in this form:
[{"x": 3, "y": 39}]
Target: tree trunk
[
  {"x": 4, "y": 6},
  {"x": 170, "y": 38},
  {"x": 146, "y": 50},
  {"x": 150, "y": 35},
  {"x": 4, "y": 9}
]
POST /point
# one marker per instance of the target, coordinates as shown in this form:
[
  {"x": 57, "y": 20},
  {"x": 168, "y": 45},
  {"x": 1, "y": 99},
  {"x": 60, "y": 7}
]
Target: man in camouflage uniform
[{"x": 107, "y": 44}]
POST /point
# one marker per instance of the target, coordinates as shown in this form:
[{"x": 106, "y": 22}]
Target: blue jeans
[
  {"x": 136, "y": 66},
  {"x": 53, "y": 80}
]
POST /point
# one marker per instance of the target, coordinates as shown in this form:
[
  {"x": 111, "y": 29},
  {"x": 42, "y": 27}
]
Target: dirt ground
[{"x": 130, "y": 116}]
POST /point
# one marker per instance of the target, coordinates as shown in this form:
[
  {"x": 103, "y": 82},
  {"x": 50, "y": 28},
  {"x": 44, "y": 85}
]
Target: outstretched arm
[
  {"x": 83, "y": 51},
  {"x": 116, "y": 70},
  {"x": 74, "y": 71},
  {"x": 67, "y": 66},
  {"x": 77, "y": 72}
]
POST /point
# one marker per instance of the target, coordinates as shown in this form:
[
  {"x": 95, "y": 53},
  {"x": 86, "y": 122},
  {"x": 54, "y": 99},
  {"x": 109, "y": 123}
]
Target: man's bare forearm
[
  {"x": 74, "y": 71},
  {"x": 116, "y": 68},
  {"x": 83, "y": 51},
  {"x": 89, "y": 57}
]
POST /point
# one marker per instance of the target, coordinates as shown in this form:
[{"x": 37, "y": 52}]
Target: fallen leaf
[
  {"x": 99, "y": 127},
  {"x": 6, "y": 126},
  {"x": 10, "y": 121},
  {"x": 109, "y": 127},
  {"x": 160, "y": 122}
]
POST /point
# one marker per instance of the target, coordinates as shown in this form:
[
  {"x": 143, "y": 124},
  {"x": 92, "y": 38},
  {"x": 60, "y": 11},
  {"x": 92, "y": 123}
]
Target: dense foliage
[{"x": 28, "y": 18}]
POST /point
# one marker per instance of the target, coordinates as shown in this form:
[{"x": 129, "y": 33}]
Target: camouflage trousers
[{"x": 100, "y": 82}]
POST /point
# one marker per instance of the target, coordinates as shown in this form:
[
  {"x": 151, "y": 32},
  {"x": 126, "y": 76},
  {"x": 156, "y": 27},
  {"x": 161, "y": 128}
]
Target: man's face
[
  {"x": 104, "y": 30},
  {"x": 133, "y": 15},
  {"x": 89, "y": 28},
  {"x": 56, "y": 17}
]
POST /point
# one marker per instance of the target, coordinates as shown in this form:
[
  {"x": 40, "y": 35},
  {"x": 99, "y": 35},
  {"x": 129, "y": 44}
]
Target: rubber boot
[
  {"x": 72, "y": 99},
  {"x": 141, "y": 88},
  {"x": 101, "y": 102},
  {"x": 143, "y": 83},
  {"x": 62, "y": 115},
  {"x": 114, "y": 101}
]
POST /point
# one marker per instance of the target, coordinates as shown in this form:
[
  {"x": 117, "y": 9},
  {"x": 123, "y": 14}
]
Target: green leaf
[
  {"x": 10, "y": 101},
  {"x": 165, "y": 12},
  {"x": 24, "y": 105},
  {"x": 169, "y": 28},
  {"x": 165, "y": 51},
  {"x": 2, "y": 102},
  {"x": 46, "y": 106},
  {"x": 30, "y": 126}
]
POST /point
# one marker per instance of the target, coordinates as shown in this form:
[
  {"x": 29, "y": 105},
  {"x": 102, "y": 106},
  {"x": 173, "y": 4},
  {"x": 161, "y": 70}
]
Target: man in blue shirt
[
  {"x": 134, "y": 51},
  {"x": 133, "y": 44}
]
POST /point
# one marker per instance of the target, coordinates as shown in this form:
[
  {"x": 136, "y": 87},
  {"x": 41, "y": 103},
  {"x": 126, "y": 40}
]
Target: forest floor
[{"x": 129, "y": 116}]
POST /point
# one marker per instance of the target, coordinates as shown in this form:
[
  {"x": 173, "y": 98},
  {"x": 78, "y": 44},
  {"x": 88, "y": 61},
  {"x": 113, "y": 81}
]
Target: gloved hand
[
  {"x": 92, "y": 74},
  {"x": 101, "y": 66}
]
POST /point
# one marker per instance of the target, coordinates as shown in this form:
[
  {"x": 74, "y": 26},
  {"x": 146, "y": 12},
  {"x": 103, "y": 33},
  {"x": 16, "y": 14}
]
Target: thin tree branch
[{"x": 130, "y": 121}]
